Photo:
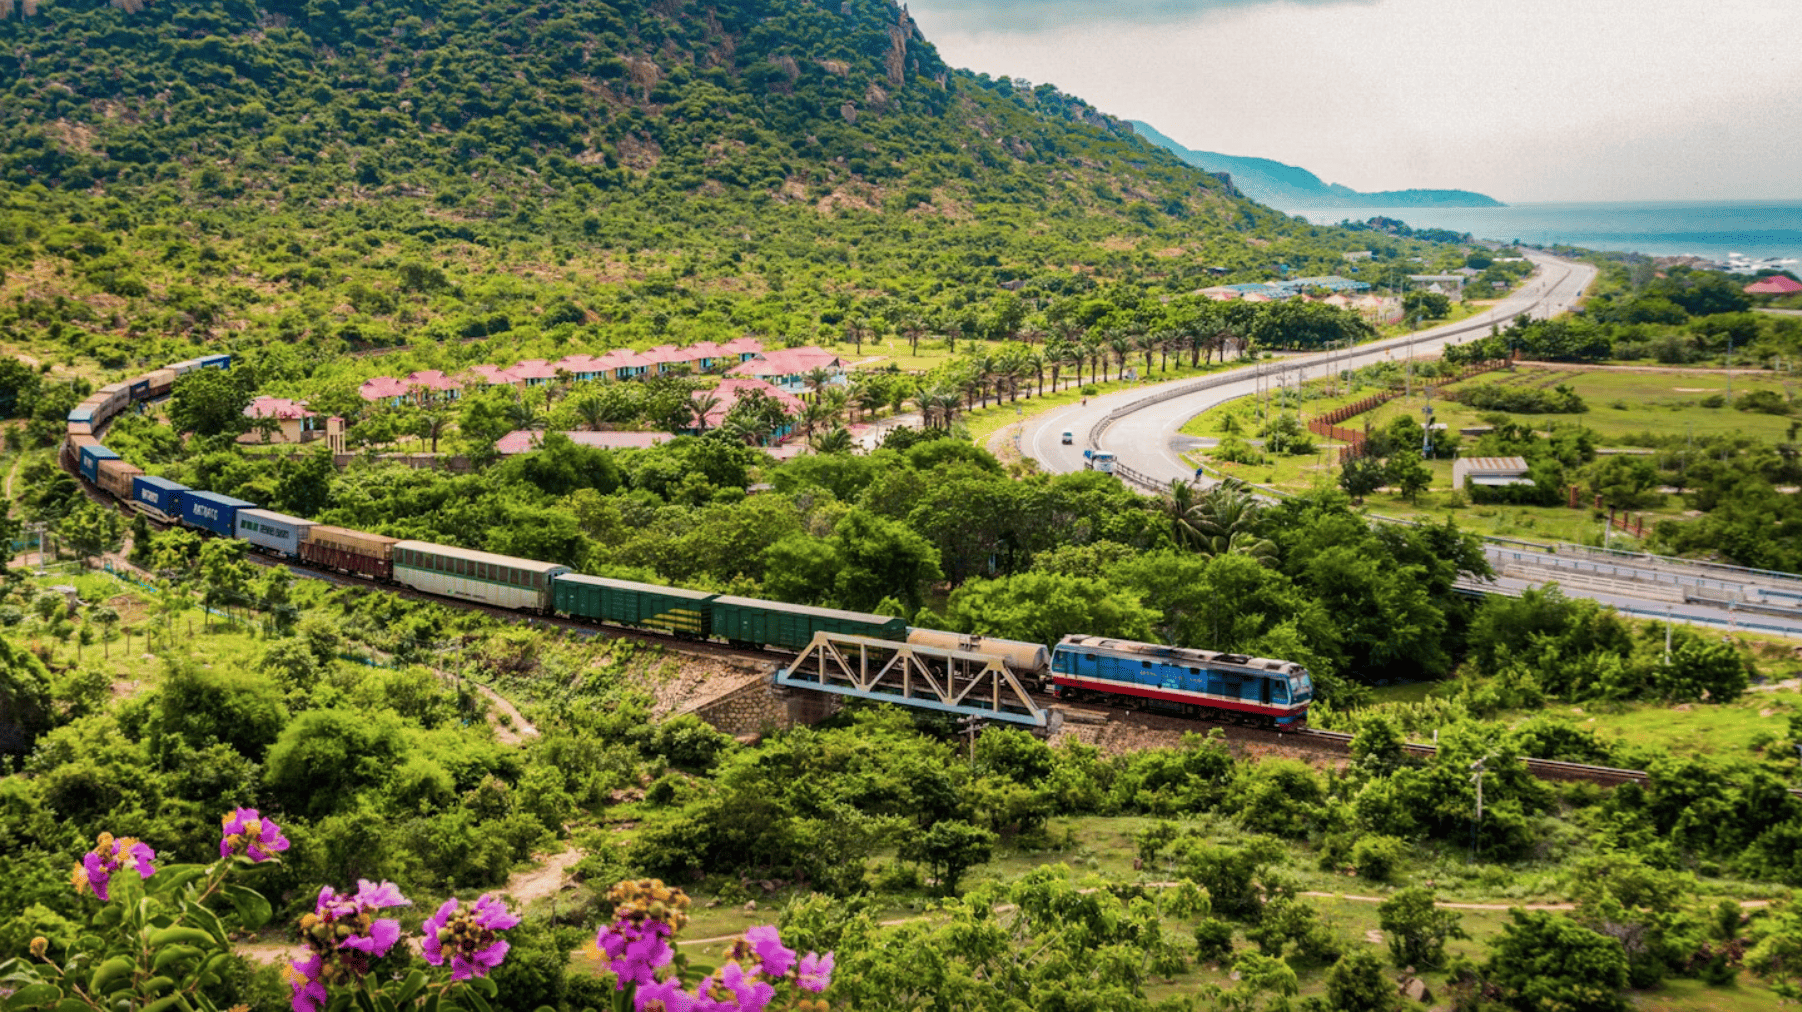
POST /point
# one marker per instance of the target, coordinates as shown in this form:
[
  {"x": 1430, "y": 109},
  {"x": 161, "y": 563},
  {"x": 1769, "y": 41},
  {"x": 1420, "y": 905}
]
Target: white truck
[{"x": 1098, "y": 460}]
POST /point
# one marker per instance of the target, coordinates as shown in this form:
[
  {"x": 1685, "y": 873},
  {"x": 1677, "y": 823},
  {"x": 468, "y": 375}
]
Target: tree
[
  {"x": 1226, "y": 521},
  {"x": 1045, "y": 607},
  {"x": 949, "y": 848},
  {"x": 482, "y": 421},
  {"x": 1360, "y": 476},
  {"x": 1416, "y": 928},
  {"x": 209, "y": 402},
  {"x": 881, "y": 558},
  {"x": 1357, "y": 983},
  {"x": 323, "y": 757},
  {"x": 91, "y": 530},
  {"x": 241, "y": 709},
  {"x": 1408, "y": 473},
  {"x": 225, "y": 573},
  {"x": 1543, "y": 961},
  {"x": 1427, "y": 305}
]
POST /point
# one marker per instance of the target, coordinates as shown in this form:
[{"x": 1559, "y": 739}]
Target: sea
[{"x": 1745, "y": 230}]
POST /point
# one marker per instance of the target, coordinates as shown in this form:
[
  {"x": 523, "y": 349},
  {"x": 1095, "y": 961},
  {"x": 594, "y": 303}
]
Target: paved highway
[{"x": 1142, "y": 438}]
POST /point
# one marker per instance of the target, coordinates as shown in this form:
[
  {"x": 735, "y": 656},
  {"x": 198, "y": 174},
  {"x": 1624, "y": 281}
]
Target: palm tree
[
  {"x": 1121, "y": 345},
  {"x": 836, "y": 441},
  {"x": 703, "y": 404},
  {"x": 521, "y": 415},
  {"x": 982, "y": 368},
  {"x": 1178, "y": 505},
  {"x": 1092, "y": 350},
  {"x": 1226, "y": 522},
  {"x": 911, "y": 327},
  {"x": 1145, "y": 341},
  {"x": 812, "y": 416},
  {"x": 834, "y": 403},
  {"x": 431, "y": 423},
  {"x": 817, "y": 378},
  {"x": 1034, "y": 362},
  {"x": 1162, "y": 340},
  {"x": 590, "y": 410},
  {"x": 1057, "y": 353}
]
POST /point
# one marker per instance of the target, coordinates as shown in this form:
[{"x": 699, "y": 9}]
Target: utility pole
[
  {"x": 1478, "y": 769},
  {"x": 1668, "y": 622}
]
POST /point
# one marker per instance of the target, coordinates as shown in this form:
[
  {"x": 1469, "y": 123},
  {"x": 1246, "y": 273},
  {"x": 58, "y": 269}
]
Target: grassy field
[
  {"x": 984, "y": 422},
  {"x": 1622, "y": 405}
]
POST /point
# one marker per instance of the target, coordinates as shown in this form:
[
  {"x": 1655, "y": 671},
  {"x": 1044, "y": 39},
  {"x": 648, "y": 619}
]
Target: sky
[{"x": 1530, "y": 101}]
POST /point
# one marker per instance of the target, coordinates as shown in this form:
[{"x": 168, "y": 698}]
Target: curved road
[{"x": 1143, "y": 438}]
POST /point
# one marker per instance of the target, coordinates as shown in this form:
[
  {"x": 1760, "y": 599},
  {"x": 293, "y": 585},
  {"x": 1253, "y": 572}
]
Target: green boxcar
[
  {"x": 667, "y": 609},
  {"x": 748, "y": 620}
]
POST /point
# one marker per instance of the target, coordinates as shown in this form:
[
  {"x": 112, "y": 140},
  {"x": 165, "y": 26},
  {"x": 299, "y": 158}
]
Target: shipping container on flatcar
[
  {"x": 161, "y": 380},
  {"x": 211, "y": 511},
  {"x": 82, "y": 414},
  {"x": 371, "y": 555},
  {"x": 92, "y": 454},
  {"x": 1203, "y": 683},
  {"x": 80, "y": 429},
  {"x": 115, "y": 397},
  {"x": 1021, "y": 658},
  {"x": 115, "y": 476},
  {"x": 667, "y": 609},
  {"x": 274, "y": 531},
  {"x": 140, "y": 387},
  {"x": 183, "y": 368},
  {"x": 791, "y": 626},
  {"x": 475, "y": 576},
  {"x": 159, "y": 497},
  {"x": 215, "y": 361}
]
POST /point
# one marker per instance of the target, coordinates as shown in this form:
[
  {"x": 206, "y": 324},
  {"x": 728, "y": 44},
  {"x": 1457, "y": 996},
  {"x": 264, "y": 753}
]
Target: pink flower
[
  {"x": 665, "y": 997},
  {"x": 98, "y": 866},
  {"x": 250, "y": 834},
  {"x": 344, "y": 940},
  {"x": 734, "y": 990},
  {"x": 469, "y": 937},
  {"x": 636, "y": 951},
  {"x": 309, "y": 993},
  {"x": 816, "y": 972},
  {"x": 775, "y": 958}
]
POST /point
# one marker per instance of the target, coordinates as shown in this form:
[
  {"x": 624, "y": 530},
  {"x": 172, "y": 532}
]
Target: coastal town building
[
  {"x": 283, "y": 421},
  {"x": 1491, "y": 471}
]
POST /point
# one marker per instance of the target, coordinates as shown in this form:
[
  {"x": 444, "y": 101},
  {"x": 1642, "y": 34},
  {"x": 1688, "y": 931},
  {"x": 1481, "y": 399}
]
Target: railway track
[{"x": 1333, "y": 743}]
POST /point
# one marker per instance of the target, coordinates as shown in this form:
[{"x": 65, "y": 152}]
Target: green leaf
[
  {"x": 114, "y": 970},
  {"x": 34, "y": 996},
  {"x": 179, "y": 936},
  {"x": 383, "y": 1002},
  {"x": 156, "y": 985},
  {"x": 339, "y": 1002},
  {"x": 174, "y": 954},
  {"x": 207, "y": 921},
  {"x": 253, "y": 910},
  {"x": 477, "y": 1003},
  {"x": 72, "y": 1005},
  {"x": 173, "y": 877},
  {"x": 162, "y": 1004},
  {"x": 431, "y": 1002},
  {"x": 410, "y": 988},
  {"x": 484, "y": 985}
]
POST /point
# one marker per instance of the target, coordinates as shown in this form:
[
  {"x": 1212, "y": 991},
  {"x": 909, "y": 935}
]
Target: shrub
[
  {"x": 1378, "y": 857},
  {"x": 1764, "y": 402},
  {"x": 1213, "y": 940},
  {"x": 1560, "y": 400}
]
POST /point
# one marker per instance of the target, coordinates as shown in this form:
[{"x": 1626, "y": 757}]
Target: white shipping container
[
  {"x": 498, "y": 580},
  {"x": 277, "y": 532}
]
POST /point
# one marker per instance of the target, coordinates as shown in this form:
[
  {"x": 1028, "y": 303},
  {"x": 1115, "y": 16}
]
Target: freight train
[{"x": 1199, "y": 683}]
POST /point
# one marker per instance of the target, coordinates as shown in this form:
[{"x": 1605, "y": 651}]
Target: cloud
[{"x": 1031, "y": 16}]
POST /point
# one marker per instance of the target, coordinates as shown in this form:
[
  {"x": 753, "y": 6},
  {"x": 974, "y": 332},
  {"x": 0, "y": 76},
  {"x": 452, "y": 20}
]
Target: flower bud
[{"x": 39, "y": 946}]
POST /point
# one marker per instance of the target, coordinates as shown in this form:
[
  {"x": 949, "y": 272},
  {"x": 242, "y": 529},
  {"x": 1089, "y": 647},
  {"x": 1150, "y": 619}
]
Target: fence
[{"x": 1324, "y": 424}]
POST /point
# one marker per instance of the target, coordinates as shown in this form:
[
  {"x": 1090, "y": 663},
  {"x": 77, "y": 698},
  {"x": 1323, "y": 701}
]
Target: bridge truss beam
[{"x": 963, "y": 682}]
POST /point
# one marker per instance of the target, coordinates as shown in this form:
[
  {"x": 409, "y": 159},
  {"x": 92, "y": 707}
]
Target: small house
[{"x": 1489, "y": 472}]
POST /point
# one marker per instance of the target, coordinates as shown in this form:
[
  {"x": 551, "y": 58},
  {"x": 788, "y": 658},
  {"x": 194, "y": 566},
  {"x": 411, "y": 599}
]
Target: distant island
[{"x": 1286, "y": 187}]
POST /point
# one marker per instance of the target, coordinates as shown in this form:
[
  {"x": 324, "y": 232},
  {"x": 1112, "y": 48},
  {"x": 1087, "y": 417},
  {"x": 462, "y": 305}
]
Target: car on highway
[{"x": 1069, "y": 437}]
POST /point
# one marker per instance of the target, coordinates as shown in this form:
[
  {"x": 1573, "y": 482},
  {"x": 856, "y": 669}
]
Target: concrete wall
[{"x": 759, "y": 706}]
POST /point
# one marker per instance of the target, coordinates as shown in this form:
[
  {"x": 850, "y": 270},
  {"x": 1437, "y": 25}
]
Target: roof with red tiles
[
  {"x": 277, "y": 407},
  {"x": 1776, "y": 284},
  {"x": 788, "y": 362},
  {"x": 383, "y": 388}
]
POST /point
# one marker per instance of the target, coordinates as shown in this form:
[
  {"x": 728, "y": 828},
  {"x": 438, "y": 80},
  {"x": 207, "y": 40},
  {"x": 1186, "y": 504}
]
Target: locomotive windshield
[{"x": 1301, "y": 688}]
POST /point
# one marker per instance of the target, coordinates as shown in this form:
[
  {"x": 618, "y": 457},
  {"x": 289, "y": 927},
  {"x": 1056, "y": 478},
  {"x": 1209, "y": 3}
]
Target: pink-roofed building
[
  {"x": 1776, "y": 284},
  {"x": 732, "y": 388},
  {"x": 582, "y": 367},
  {"x": 666, "y": 358},
  {"x": 431, "y": 384},
  {"x": 706, "y": 354},
  {"x": 623, "y": 363},
  {"x": 789, "y": 368},
  {"x": 490, "y": 375},
  {"x": 534, "y": 372},
  {"x": 746, "y": 348},
  {"x": 527, "y": 440},
  {"x": 385, "y": 389},
  {"x": 294, "y": 423}
]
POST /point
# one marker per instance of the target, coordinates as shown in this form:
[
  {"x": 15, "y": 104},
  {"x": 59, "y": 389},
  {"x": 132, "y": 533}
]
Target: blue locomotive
[{"x": 1192, "y": 683}]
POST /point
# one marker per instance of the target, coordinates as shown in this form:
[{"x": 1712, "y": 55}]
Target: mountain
[
  {"x": 343, "y": 175},
  {"x": 1288, "y": 187}
]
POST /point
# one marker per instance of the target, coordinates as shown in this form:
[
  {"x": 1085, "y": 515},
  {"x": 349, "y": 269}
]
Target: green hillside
[{"x": 209, "y": 172}]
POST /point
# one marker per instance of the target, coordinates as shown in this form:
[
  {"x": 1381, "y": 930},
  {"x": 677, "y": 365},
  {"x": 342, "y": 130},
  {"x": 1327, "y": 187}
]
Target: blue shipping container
[
  {"x": 212, "y": 511},
  {"x": 91, "y": 456},
  {"x": 140, "y": 387},
  {"x": 82, "y": 415},
  {"x": 159, "y": 495},
  {"x": 216, "y": 362}
]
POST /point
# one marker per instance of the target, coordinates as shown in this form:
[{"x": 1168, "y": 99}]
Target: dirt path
[
  {"x": 519, "y": 728},
  {"x": 544, "y": 880},
  {"x": 270, "y": 953}
]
